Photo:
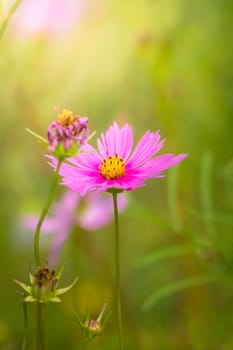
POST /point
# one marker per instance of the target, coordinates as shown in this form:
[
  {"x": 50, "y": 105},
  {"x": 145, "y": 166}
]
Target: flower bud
[
  {"x": 92, "y": 328},
  {"x": 44, "y": 285},
  {"x": 67, "y": 133}
]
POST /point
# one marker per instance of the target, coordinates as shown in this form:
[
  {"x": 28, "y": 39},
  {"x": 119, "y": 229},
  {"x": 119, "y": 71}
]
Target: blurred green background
[{"x": 157, "y": 65}]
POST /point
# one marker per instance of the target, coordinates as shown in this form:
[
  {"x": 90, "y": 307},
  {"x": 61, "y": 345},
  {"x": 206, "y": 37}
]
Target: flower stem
[
  {"x": 6, "y": 19},
  {"x": 88, "y": 345},
  {"x": 117, "y": 266},
  {"x": 44, "y": 213},
  {"x": 25, "y": 317},
  {"x": 40, "y": 344}
]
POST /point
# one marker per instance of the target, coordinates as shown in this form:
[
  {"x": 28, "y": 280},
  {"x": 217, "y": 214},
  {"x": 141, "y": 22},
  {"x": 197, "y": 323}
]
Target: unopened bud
[
  {"x": 92, "y": 328},
  {"x": 44, "y": 285}
]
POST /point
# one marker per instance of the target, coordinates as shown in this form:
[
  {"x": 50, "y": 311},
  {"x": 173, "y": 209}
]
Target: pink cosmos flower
[
  {"x": 39, "y": 17},
  {"x": 115, "y": 165},
  {"x": 96, "y": 210}
]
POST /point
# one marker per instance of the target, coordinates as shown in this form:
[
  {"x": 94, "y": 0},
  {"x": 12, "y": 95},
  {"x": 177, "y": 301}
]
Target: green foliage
[
  {"x": 158, "y": 65},
  {"x": 177, "y": 286}
]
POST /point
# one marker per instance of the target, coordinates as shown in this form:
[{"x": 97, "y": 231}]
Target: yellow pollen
[
  {"x": 66, "y": 118},
  {"x": 112, "y": 168}
]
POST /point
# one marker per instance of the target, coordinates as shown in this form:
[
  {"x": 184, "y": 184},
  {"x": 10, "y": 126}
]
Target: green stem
[
  {"x": 118, "y": 274},
  {"x": 25, "y": 317},
  {"x": 173, "y": 201},
  {"x": 44, "y": 213},
  {"x": 40, "y": 344},
  {"x": 88, "y": 345},
  {"x": 8, "y": 16},
  {"x": 207, "y": 193}
]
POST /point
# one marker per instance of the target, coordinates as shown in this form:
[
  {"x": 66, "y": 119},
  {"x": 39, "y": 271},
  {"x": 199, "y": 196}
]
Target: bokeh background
[{"x": 157, "y": 65}]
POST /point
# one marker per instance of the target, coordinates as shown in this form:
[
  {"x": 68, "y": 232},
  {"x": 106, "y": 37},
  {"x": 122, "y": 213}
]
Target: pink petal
[
  {"x": 126, "y": 142},
  {"x": 158, "y": 164},
  {"x": 116, "y": 141},
  {"x": 147, "y": 146}
]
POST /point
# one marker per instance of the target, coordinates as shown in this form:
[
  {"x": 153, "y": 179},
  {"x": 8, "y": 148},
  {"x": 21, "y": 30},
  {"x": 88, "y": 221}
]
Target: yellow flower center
[
  {"x": 112, "y": 168},
  {"x": 66, "y": 118}
]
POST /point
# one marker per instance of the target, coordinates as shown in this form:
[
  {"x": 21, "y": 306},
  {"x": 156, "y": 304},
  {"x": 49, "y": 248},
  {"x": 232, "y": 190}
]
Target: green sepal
[
  {"x": 55, "y": 300},
  {"x": 29, "y": 299},
  {"x": 61, "y": 154},
  {"x": 78, "y": 319},
  {"x": 60, "y": 272},
  {"x": 31, "y": 277},
  {"x": 40, "y": 139},
  {"x": 90, "y": 136},
  {"x": 107, "y": 317},
  {"x": 64, "y": 290},
  {"x": 27, "y": 289}
]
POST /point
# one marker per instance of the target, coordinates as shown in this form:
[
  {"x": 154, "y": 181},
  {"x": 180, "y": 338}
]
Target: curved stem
[
  {"x": 8, "y": 16},
  {"x": 40, "y": 343},
  {"x": 118, "y": 274},
  {"x": 44, "y": 213}
]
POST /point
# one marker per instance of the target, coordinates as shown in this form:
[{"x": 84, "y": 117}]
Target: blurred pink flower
[
  {"x": 96, "y": 210},
  {"x": 39, "y": 17},
  {"x": 115, "y": 165}
]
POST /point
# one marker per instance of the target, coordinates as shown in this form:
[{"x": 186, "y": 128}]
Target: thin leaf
[
  {"x": 162, "y": 254},
  {"x": 137, "y": 210},
  {"x": 178, "y": 286},
  {"x": 218, "y": 217},
  {"x": 172, "y": 198},
  {"x": 206, "y": 192},
  {"x": 223, "y": 218}
]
